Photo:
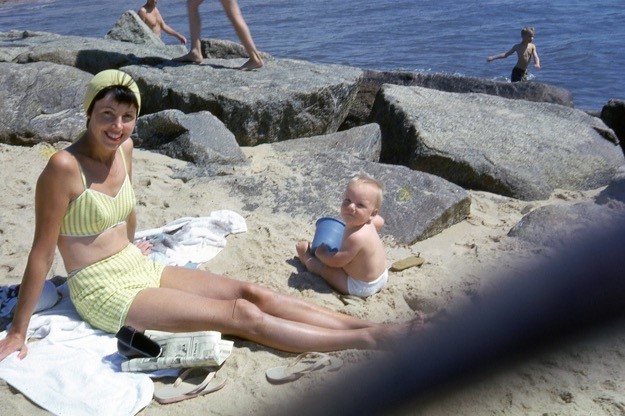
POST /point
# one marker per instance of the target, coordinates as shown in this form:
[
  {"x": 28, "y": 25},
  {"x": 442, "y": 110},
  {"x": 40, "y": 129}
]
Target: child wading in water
[
  {"x": 359, "y": 267},
  {"x": 525, "y": 51}
]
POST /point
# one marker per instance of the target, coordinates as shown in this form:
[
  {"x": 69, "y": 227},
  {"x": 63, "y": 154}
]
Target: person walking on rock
[{"x": 236, "y": 18}]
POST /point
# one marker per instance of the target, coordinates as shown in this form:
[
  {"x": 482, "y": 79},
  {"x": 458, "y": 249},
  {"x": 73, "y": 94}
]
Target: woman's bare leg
[
  {"x": 243, "y": 32},
  {"x": 195, "y": 28},
  {"x": 290, "y": 308},
  {"x": 176, "y": 311}
]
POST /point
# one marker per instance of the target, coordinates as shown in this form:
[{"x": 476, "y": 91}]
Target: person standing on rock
[
  {"x": 525, "y": 51},
  {"x": 152, "y": 18},
  {"x": 236, "y": 18}
]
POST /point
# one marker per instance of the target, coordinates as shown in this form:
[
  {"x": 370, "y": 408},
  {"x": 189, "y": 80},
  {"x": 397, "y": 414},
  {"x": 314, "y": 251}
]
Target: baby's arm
[
  {"x": 350, "y": 247},
  {"x": 377, "y": 221}
]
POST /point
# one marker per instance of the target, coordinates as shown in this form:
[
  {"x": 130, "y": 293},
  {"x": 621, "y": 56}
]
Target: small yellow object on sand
[{"x": 406, "y": 263}]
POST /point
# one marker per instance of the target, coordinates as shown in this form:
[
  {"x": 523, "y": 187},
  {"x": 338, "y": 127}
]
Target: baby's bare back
[{"x": 370, "y": 262}]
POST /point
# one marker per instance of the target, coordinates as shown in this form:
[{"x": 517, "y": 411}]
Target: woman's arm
[
  {"x": 52, "y": 196},
  {"x": 131, "y": 221}
]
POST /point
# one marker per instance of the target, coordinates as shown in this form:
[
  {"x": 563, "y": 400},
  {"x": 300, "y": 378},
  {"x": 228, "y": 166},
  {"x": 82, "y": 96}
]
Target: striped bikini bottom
[{"x": 103, "y": 292}]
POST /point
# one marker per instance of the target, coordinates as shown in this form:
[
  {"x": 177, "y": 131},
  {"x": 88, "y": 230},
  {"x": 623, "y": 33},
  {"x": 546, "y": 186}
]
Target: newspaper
[{"x": 184, "y": 349}]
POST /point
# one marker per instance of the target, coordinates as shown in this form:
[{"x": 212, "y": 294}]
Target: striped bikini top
[{"x": 94, "y": 212}]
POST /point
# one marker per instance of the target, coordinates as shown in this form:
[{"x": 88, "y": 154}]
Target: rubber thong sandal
[
  {"x": 187, "y": 387},
  {"x": 304, "y": 363}
]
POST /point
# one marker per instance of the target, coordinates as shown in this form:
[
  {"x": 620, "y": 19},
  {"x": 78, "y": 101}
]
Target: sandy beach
[{"x": 466, "y": 259}]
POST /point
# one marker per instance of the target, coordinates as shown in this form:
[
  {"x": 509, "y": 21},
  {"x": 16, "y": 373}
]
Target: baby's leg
[{"x": 335, "y": 277}]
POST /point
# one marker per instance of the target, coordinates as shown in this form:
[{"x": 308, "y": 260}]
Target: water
[{"x": 579, "y": 42}]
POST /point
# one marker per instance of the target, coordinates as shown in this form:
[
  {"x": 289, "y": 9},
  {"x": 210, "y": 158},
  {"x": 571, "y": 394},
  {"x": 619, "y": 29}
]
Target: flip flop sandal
[
  {"x": 187, "y": 387},
  {"x": 304, "y": 363}
]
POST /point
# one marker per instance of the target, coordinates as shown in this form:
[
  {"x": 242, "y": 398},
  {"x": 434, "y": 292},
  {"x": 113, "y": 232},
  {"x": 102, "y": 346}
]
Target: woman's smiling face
[{"x": 112, "y": 122}]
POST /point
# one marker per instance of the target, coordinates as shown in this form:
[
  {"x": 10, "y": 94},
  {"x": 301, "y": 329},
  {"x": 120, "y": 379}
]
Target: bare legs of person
[
  {"x": 233, "y": 12},
  {"x": 335, "y": 277},
  {"x": 195, "y": 27},
  {"x": 243, "y": 32},
  {"x": 193, "y": 300}
]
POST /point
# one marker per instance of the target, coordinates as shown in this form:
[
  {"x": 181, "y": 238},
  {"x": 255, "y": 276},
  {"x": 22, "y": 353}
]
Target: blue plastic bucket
[{"x": 329, "y": 232}]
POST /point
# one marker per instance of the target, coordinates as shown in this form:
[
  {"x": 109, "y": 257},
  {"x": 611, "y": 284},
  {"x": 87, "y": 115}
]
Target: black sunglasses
[{"x": 134, "y": 344}]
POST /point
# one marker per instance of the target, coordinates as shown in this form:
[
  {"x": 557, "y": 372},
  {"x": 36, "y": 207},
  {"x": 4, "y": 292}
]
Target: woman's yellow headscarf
[{"x": 109, "y": 78}]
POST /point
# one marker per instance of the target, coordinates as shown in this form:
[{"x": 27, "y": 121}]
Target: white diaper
[{"x": 362, "y": 289}]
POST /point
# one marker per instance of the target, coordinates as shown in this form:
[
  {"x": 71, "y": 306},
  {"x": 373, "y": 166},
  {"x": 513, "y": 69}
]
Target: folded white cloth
[
  {"x": 193, "y": 239},
  {"x": 75, "y": 369}
]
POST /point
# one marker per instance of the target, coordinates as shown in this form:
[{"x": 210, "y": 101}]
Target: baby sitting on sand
[{"x": 358, "y": 268}]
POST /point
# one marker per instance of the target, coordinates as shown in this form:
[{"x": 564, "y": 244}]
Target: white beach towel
[
  {"x": 193, "y": 239},
  {"x": 75, "y": 369}
]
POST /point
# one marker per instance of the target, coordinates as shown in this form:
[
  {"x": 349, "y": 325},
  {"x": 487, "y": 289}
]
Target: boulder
[
  {"x": 130, "y": 28},
  {"x": 226, "y": 49},
  {"x": 416, "y": 205},
  {"x": 41, "y": 102},
  {"x": 199, "y": 138},
  {"x": 560, "y": 226},
  {"x": 287, "y": 99},
  {"x": 373, "y": 80},
  {"x": 509, "y": 147},
  {"x": 364, "y": 142},
  {"x": 89, "y": 54}
]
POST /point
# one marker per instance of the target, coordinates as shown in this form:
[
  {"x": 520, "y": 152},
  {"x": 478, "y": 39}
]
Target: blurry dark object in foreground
[{"x": 581, "y": 289}]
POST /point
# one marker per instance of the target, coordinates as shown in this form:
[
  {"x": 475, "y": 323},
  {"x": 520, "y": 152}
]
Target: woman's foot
[
  {"x": 252, "y": 64},
  {"x": 192, "y": 56}
]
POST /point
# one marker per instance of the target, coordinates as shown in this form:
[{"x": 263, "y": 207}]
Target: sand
[{"x": 464, "y": 260}]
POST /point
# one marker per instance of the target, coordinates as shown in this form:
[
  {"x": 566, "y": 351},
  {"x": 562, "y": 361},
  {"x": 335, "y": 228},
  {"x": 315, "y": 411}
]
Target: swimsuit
[
  {"x": 103, "y": 292},
  {"x": 362, "y": 289},
  {"x": 93, "y": 212},
  {"x": 518, "y": 74}
]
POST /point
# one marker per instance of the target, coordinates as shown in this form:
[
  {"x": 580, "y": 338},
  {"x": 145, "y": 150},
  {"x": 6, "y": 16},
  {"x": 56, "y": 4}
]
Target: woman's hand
[
  {"x": 145, "y": 247},
  {"x": 12, "y": 343}
]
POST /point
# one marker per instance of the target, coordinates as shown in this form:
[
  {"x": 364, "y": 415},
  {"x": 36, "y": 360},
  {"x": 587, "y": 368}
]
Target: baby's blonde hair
[{"x": 366, "y": 179}]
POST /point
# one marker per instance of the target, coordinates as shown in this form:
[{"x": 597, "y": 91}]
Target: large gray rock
[
  {"x": 509, "y": 147},
  {"x": 559, "y": 226},
  {"x": 199, "y": 137},
  {"x": 130, "y": 28},
  {"x": 287, "y": 99},
  {"x": 89, "y": 54},
  {"x": 373, "y": 80},
  {"x": 416, "y": 205},
  {"x": 41, "y": 102},
  {"x": 226, "y": 49},
  {"x": 364, "y": 142}
]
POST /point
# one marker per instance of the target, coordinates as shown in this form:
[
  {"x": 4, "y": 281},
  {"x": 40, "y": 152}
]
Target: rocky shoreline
[{"x": 481, "y": 178}]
